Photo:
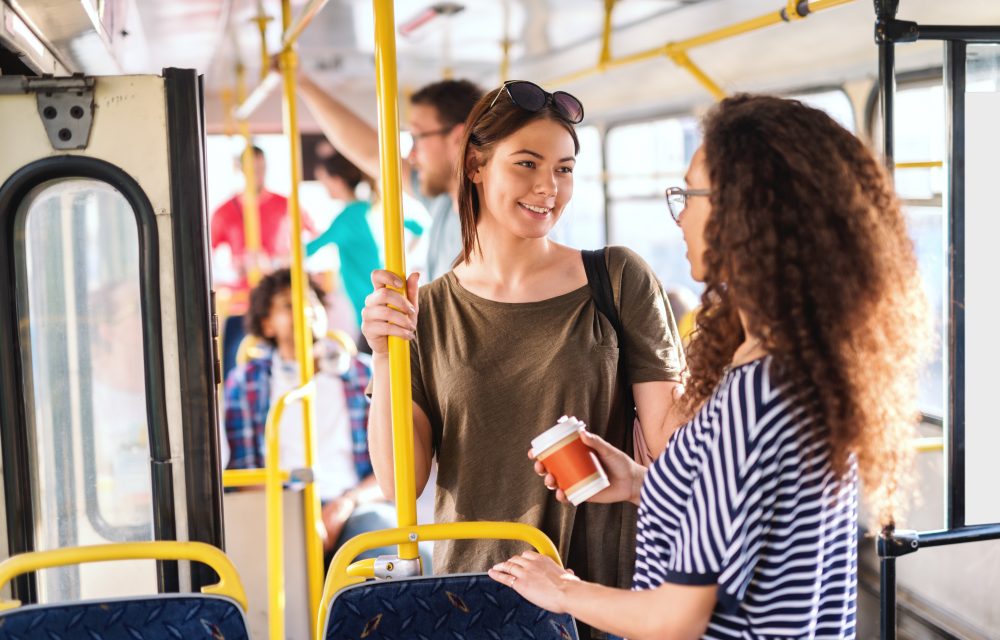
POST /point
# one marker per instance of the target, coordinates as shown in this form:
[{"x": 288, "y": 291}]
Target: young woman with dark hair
[
  {"x": 803, "y": 374},
  {"x": 510, "y": 340}
]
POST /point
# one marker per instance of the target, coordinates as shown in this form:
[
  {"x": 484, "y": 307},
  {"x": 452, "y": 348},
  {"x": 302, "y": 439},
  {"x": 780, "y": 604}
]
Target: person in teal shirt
[{"x": 349, "y": 231}]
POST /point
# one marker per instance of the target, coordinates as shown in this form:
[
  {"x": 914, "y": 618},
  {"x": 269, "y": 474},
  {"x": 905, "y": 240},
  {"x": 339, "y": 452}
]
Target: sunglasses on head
[{"x": 530, "y": 97}]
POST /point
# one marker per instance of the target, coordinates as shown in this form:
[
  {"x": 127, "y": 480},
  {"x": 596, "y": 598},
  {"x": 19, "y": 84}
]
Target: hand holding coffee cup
[
  {"x": 624, "y": 474},
  {"x": 573, "y": 466}
]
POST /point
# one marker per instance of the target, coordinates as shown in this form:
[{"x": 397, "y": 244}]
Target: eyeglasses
[
  {"x": 417, "y": 137},
  {"x": 677, "y": 200},
  {"x": 530, "y": 97}
]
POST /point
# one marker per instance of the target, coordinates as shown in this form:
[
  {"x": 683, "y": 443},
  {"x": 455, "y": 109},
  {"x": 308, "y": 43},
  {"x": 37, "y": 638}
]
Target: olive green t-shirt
[{"x": 493, "y": 375}]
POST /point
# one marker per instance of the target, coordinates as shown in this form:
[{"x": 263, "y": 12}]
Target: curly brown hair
[
  {"x": 262, "y": 297},
  {"x": 807, "y": 239}
]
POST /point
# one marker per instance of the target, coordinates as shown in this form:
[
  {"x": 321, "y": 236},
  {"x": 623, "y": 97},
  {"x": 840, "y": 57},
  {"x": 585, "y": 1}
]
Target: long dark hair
[
  {"x": 486, "y": 127},
  {"x": 807, "y": 239}
]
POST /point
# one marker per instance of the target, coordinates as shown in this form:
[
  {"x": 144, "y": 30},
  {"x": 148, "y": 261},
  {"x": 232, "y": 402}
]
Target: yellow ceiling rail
[
  {"x": 251, "y": 205},
  {"x": 391, "y": 192},
  {"x": 287, "y": 62},
  {"x": 681, "y": 59},
  {"x": 930, "y": 164},
  {"x": 677, "y": 51},
  {"x": 270, "y": 79}
]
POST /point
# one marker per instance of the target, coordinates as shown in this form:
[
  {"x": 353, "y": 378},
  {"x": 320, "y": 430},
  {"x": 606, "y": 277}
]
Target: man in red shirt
[{"x": 275, "y": 247}]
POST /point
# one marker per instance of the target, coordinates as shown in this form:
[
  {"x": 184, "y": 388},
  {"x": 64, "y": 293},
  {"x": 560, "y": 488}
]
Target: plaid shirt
[{"x": 248, "y": 399}]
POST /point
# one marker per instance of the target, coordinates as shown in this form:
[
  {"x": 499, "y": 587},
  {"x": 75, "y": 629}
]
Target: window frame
[{"x": 16, "y": 429}]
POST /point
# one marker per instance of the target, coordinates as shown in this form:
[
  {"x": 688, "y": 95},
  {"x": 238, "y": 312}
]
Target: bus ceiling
[{"x": 539, "y": 39}]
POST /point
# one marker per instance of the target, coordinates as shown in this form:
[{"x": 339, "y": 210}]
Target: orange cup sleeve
[{"x": 571, "y": 464}]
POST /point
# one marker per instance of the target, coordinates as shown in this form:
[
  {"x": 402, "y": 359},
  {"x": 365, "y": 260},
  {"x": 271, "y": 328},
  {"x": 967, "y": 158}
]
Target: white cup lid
[{"x": 564, "y": 427}]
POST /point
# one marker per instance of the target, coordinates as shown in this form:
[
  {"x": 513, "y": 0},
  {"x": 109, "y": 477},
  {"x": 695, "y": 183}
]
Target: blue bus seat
[
  {"x": 456, "y": 607},
  {"x": 154, "y": 617},
  {"x": 217, "y": 613}
]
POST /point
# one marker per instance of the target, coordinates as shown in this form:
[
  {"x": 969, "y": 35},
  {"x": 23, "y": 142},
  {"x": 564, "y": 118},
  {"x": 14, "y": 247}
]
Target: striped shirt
[{"x": 744, "y": 497}]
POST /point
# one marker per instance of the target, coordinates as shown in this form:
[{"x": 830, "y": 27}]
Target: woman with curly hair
[{"x": 802, "y": 381}]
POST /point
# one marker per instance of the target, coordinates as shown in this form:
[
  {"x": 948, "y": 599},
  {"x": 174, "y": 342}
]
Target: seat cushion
[
  {"x": 462, "y": 607},
  {"x": 159, "y": 617}
]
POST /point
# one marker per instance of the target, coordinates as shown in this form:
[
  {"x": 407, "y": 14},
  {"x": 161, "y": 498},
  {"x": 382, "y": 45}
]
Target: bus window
[
  {"x": 643, "y": 159},
  {"x": 834, "y": 102},
  {"x": 582, "y": 223},
  {"x": 920, "y": 137},
  {"x": 982, "y": 308},
  {"x": 77, "y": 270}
]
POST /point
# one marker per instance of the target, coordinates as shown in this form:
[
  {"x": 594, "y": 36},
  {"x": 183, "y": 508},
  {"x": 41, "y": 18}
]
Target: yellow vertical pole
[
  {"x": 505, "y": 44},
  {"x": 609, "y": 7},
  {"x": 273, "y": 512},
  {"x": 228, "y": 97},
  {"x": 399, "y": 349},
  {"x": 303, "y": 332},
  {"x": 265, "y": 61},
  {"x": 251, "y": 207}
]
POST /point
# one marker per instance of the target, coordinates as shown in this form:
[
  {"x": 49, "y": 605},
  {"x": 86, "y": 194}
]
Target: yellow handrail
[
  {"x": 343, "y": 573},
  {"x": 251, "y": 206},
  {"x": 274, "y": 511},
  {"x": 677, "y": 51},
  {"x": 929, "y": 164},
  {"x": 303, "y": 332},
  {"x": 928, "y": 445},
  {"x": 250, "y": 477},
  {"x": 399, "y": 349},
  {"x": 229, "y": 584}
]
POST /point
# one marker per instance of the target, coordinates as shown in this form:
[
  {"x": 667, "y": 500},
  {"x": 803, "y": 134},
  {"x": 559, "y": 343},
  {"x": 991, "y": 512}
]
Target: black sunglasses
[{"x": 530, "y": 97}]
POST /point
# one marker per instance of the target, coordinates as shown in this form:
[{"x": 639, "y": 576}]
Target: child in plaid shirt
[{"x": 352, "y": 501}]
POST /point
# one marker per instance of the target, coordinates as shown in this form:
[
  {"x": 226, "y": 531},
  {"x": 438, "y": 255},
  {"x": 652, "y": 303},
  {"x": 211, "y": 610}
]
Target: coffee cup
[{"x": 575, "y": 465}]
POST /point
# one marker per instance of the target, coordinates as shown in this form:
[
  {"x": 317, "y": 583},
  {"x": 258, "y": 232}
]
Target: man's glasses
[
  {"x": 677, "y": 200},
  {"x": 530, "y": 97},
  {"x": 443, "y": 131}
]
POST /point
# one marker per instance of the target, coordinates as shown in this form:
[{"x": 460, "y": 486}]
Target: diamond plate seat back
[
  {"x": 154, "y": 617},
  {"x": 456, "y": 607}
]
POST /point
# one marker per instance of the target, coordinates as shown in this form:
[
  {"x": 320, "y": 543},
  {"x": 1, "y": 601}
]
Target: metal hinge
[{"x": 65, "y": 105}]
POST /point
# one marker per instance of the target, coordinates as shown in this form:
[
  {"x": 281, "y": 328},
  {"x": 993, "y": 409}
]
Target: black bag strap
[
  {"x": 596, "y": 266},
  {"x": 599, "y": 279}
]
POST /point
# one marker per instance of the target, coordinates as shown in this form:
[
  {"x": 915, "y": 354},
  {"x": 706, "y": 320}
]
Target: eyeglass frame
[
  {"x": 684, "y": 193},
  {"x": 443, "y": 131},
  {"x": 550, "y": 99}
]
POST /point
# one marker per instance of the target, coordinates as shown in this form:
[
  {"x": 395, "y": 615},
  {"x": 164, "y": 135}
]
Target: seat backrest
[
  {"x": 154, "y": 617},
  {"x": 455, "y": 606}
]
